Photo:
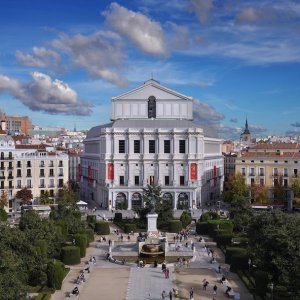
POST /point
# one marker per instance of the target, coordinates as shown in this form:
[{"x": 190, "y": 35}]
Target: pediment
[{"x": 152, "y": 88}]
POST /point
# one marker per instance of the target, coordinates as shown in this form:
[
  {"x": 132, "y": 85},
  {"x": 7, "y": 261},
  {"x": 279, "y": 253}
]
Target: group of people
[{"x": 172, "y": 293}]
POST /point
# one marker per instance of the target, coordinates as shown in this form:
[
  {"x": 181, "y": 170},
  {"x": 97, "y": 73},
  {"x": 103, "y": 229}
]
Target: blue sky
[{"x": 61, "y": 61}]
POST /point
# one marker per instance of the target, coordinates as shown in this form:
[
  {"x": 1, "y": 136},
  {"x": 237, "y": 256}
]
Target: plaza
[{"x": 113, "y": 280}]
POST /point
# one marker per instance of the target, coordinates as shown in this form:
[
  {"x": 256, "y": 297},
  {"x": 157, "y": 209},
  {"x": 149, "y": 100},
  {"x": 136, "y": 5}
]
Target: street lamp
[
  {"x": 249, "y": 264},
  {"x": 271, "y": 288}
]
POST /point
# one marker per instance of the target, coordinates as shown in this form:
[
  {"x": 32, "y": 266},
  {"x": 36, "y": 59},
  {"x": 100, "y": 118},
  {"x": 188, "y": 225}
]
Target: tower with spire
[{"x": 246, "y": 135}]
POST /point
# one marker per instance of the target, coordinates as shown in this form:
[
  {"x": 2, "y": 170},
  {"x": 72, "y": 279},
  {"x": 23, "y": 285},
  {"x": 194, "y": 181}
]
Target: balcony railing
[
  {"x": 29, "y": 175},
  {"x": 60, "y": 174},
  {"x": 252, "y": 174},
  {"x": 10, "y": 177},
  {"x": 42, "y": 186},
  {"x": 2, "y": 177},
  {"x": 51, "y": 186},
  {"x": 2, "y": 168},
  {"x": 42, "y": 175}
]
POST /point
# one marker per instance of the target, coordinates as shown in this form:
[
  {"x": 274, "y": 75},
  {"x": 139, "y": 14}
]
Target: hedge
[
  {"x": 3, "y": 215},
  {"x": 55, "y": 274},
  {"x": 202, "y": 228},
  {"x": 223, "y": 239},
  {"x": 70, "y": 255},
  {"x": 90, "y": 235},
  {"x": 237, "y": 258},
  {"x": 230, "y": 251},
  {"x": 209, "y": 216},
  {"x": 185, "y": 219},
  {"x": 129, "y": 227},
  {"x": 43, "y": 296},
  {"x": 261, "y": 282},
  {"x": 81, "y": 242},
  {"x": 118, "y": 217},
  {"x": 219, "y": 224},
  {"x": 102, "y": 228},
  {"x": 175, "y": 226}
]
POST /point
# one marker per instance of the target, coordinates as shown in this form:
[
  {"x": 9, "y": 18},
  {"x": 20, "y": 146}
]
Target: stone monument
[{"x": 152, "y": 217}]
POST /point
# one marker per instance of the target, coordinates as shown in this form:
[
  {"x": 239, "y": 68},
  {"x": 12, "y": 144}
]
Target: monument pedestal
[{"x": 152, "y": 225}]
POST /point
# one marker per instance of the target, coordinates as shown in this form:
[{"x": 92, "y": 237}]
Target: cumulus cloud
[
  {"x": 40, "y": 57},
  {"x": 233, "y": 120},
  {"x": 203, "y": 9},
  {"x": 296, "y": 124},
  {"x": 99, "y": 54},
  {"x": 178, "y": 36},
  {"x": 145, "y": 33},
  {"x": 45, "y": 94}
]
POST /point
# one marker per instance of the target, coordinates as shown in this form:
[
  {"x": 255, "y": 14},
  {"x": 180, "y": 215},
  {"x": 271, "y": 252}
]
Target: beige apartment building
[
  {"x": 268, "y": 164},
  {"x": 35, "y": 167}
]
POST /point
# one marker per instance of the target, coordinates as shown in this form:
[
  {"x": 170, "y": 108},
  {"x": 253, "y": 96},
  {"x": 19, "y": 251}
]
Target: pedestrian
[
  {"x": 219, "y": 269},
  {"x": 215, "y": 288},
  {"x": 163, "y": 295},
  {"x": 191, "y": 293},
  {"x": 170, "y": 295}
]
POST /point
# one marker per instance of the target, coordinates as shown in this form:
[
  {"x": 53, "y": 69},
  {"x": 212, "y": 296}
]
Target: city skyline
[{"x": 60, "y": 64}]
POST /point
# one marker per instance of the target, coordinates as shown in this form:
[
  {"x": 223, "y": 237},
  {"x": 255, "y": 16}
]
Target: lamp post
[
  {"x": 271, "y": 288},
  {"x": 249, "y": 264}
]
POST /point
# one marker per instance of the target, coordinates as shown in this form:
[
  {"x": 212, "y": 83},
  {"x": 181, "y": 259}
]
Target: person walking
[
  {"x": 170, "y": 295},
  {"x": 215, "y": 288},
  {"x": 163, "y": 295},
  {"x": 191, "y": 293}
]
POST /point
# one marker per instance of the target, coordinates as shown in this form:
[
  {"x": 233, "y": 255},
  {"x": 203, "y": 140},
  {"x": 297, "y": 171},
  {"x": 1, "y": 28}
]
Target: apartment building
[{"x": 270, "y": 165}]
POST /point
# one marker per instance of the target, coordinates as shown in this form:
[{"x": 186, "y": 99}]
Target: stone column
[
  {"x": 175, "y": 199},
  {"x": 129, "y": 194}
]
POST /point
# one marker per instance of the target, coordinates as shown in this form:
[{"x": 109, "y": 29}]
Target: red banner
[
  {"x": 89, "y": 175},
  {"x": 110, "y": 171},
  {"x": 215, "y": 175},
  {"x": 193, "y": 171}
]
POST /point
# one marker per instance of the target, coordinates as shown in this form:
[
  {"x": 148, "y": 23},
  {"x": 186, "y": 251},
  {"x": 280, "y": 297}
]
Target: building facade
[
  {"x": 32, "y": 166},
  {"x": 16, "y": 124},
  {"x": 270, "y": 165},
  {"x": 151, "y": 140}
]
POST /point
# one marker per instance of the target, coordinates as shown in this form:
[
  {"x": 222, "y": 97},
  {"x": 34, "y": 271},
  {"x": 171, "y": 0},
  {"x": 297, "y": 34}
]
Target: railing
[
  {"x": 28, "y": 175},
  {"x": 61, "y": 174},
  {"x": 2, "y": 177},
  {"x": 42, "y": 186},
  {"x": 42, "y": 175},
  {"x": 10, "y": 177}
]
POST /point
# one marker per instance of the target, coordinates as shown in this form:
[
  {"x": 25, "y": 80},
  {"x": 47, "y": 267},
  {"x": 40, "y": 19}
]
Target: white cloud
[
  {"x": 40, "y": 57},
  {"x": 45, "y": 94},
  {"x": 145, "y": 33},
  {"x": 99, "y": 54}
]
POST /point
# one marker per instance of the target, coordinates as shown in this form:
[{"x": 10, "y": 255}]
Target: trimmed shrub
[
  {"x": 237, "y": 258},
  {"x": 185, "y": 219},
  {"x": 219, "y": 224},
  {"x": 232, "y": 250},
  {"x": 64, "y": 227},
  {"x": 91, "y": 220},
  {"x": 175, "y": 226},
  {"x": 55, "y": 274},
  {"x": 90, "y": 235},
  {"x": 118, "y": 217},
  {"x": 81, "y": 241},
  {"x": 207, "y": 216},
  {"x": 261, "y": 282},
  {"x": 223, "y": 239},
  {"x": 3, "y": 214},
  {"x": 70, "y": 255},
  {"x": 102, "y": 228},
  {"x": 129, "y": 227},
  {"x": 202, "y": 228},
  {"x": 42, "y": 247},
  {"x": 43, "y": 296}
]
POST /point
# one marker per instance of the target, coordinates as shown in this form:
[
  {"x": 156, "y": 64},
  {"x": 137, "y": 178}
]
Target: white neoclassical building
[{"x": 151, "y": 140}]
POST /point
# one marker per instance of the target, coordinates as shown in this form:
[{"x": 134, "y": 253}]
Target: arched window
[{"x": 151, "y": 107}]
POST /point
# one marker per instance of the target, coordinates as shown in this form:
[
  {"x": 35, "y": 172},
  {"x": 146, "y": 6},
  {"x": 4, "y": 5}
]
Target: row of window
[
  {"x": 275, "y": 161},
  {"x": 275, "y": 172},
  {"x": 151, "y": 145},
  {"x": 42, "y": 164},
  {"x": 42, "y": 172},
  {"x": 137, "y": 180},
  {"x": 275, "y": 182}
]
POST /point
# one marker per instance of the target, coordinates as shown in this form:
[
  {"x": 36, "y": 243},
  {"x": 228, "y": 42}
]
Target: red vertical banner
[
  {"x": 215, "y": 175},
  {"x": 110, "y": 171},
  {"x": 89, "y": 175},
  {"x": 193, "y": 171}
]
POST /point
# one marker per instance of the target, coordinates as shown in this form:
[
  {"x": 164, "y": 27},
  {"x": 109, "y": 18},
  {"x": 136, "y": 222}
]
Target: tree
[
  {"x": 44, "y": 198},
  {"x": 25, "y": 195},
  {"x": 236, "y": 189},
  {"x": 259, "y": 193},
  {"x": 67, "y": 197},
  {"x": 296, "y": 187},
  {"x": 3, "y": 199},
  {"x": 152, "y": 197},
  {"x": 274, "y": 241}
]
